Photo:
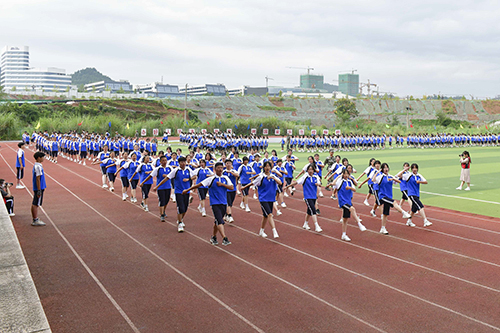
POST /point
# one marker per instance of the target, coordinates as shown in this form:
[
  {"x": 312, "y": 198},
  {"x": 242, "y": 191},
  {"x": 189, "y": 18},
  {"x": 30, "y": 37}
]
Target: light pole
[
  {"x": 185, "y": 102},
  {"x": 408, "y": 108}
]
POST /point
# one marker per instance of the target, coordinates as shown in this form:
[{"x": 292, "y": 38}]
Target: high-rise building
[
  {"x": 311, "y": 81},
  {"x": 349, "y": 84},
  {"x": 16, "y": 73}
]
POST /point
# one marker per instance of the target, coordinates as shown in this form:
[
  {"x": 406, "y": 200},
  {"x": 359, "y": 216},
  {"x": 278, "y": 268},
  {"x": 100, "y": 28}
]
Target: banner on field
[
  {"x": 313, "y": 132},
  {"x": 301, "y": 132},
  {"x": 155, "y": 132},
  {"x": 253, "y": 131},
  {"x": 144, "y": 132},
  {"x": 277, "y": 131},
  {"x": 169, "y": 131},
  {"x": 216, "y": 130},
  {"x": 337, "y": 132},
  {"x": 289, "y": 132},
  {"x": 179, "y": 130},
  {"x": 203, "y": 130},
  {"x": 191, "y": 130},
  {"x": 325, "y": 132},
  {"x": 265, "y": 131},
  {"x": 229, "y": 130}
]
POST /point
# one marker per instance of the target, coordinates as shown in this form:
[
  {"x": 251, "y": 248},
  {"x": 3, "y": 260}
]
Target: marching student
[
  {"x": 245, "y": 172},
  {"x": 161, "y": 172},
  {"x": 266, "y": 183},
  {"x": 232, "y": 174},
  {"x": 402, "y": 185},
  {"x": 54, "y": 149},
  {"x": 182, "y": 176},
  {"x": 123, "y": 174},
  {"x": 201, "y": 174},
  {"x": 257, "y": 168},
  {"x": 144, "y": 170},
  {"x": 20, "y": 164},
  {"x": 320, "y": 167},
  {"x": 104, "y": 154},
  {"x": 39, "y": 187},
  {"x": 218, "y": 186},
  {"x": 310, "y": 183},
  {"x": 368, "y": 172},
  {"x": 413, "y": 180},
  {"x": 281, "y": 172},
  {"x": 289, "y": 167},
  {"x": 346, "y": 186},
  {"x": 110, "y": 166},
  {"x": 374, "y": 186},
  {"x": 385, "y": 182},
  {"x": 131, "y": 167}
]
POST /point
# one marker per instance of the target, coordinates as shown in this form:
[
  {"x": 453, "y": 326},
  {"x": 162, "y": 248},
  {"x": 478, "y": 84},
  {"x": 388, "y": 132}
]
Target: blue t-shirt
[
  {"x": 231, "y": 177},
  {"x": 385, "y": 185},
  {"x": 309, "y": 185},
  {"x": 179, "y": 175},
  {"x": 202, "y": 174},
  {"x": 244, "y": 177},
  {"x": 161, "y": 173},
  {"x": 38, "y": 171},
  {"x": 344, "y": 195},
  {"x": 267, "y": 187},
  {"x": 144, "y": 170},
  {"x": 218, "y": 194},
  {"x": 20, "y": 154},
  {"x": 132, "y": 167},
  {"x": 411, "y": 181}
]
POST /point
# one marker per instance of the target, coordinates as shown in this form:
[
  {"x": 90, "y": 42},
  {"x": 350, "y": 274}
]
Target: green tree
[
  {"x": 345, "y": 109},
  {"x": 13, "y": 88}
]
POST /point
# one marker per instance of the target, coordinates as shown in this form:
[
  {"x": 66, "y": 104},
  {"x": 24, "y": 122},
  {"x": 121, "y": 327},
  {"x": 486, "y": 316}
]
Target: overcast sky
[{"x": 407, "y": 47}]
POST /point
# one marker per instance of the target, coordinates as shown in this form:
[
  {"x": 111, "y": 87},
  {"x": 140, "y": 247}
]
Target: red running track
[{"x": 105, "y": 265}]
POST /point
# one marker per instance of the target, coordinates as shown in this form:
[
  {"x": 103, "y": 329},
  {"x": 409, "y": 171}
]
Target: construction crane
[
  {"x": 309, "y": 69},
  {"x": 267, "y": 80},
  {"x": 367, "y": 85},
  {"x": 351, "y": 70}
]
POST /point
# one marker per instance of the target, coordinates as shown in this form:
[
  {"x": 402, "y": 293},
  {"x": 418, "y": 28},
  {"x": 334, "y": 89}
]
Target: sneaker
[
  {"x": 230, "y": 219},
  {"x": 345, "y": 238},
  {"x": 142, "y": 204},
  {"x": 406, "y": 215},
  {"x": 242, "y": 205},
  {"x": 278, "y": 212},
  {"x": 238, "y": 193},
  {"x": 226, "y": 242},
  {"x": 173, "y": 199},
  {"x": 38, "y": 223},
  {"x": 182, "y": 223},
  {"x": 199, "y": 208},
  {"x": 321, "y": 194},
  {"x": 104, "y": 186},
  {"x": 12, "y": 214},
  {"x": 247, "y": 210},
  {"x": 203, "y": 213},
  {"x": 112, "y": 189},
  {"x": 213, "y": 240},
  {"x": 361, "y": 226},
  {"x": 255, "y": 196},
  {"x": 373, "y": 213},
  {"x": 318, "y": 228},
  {"x": 162, "y": 218},
  {"x": 410, "y": 223},
  {"x": 19, "y": 187},
  {"x": 275, "y": 234},
  {"x": 366, "y": 203},
  {"x": 467, "y": 189},
  {"x": 83, "y": 163},
  {"x": 146, "y": 208},
  {"x": 318, "y": 212},
  {"x": 384, "y": 231},
  {"x": 124, "y": 198},
  {"x": 306, "y": 226},
  {"x": 427, "y": 223},
  {"x": 262, "y": 234},
  {"x": 459, "y": 188},
  {"x": 190, "y": 200},
  {"x": 283, "y": 205},
  {"x": 286, "y": 195},
  {"x": 225, "y": 218},
  {"x": 180, "y": 228}
]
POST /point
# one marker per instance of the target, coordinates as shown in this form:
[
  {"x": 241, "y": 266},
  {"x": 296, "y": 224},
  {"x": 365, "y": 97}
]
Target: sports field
[
  {"x": 440, "y": 166},
  {"x": 105, "y": 265}
]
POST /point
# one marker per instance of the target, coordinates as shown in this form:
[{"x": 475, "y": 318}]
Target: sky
[{"x": 405, "y": 47}]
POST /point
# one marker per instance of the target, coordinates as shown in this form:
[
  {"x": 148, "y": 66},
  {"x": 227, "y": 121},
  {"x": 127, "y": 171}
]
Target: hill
[{"x": 87, "y": 75}]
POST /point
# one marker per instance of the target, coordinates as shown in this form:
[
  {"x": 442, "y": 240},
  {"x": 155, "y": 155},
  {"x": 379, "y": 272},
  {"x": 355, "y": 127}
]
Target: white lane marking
[
  {"x": 329, "y": 263},
  {"x": 82, "y": 262}
]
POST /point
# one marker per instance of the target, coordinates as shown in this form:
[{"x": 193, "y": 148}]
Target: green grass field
[{"x": 441, "y": 168}]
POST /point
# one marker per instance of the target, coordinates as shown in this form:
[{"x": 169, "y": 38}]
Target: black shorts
[
  {"x": 377, "y": 199},
  {"x": 267, "y": 207},
  {"x": 111, "y": 177},
  {"x": 103, "y": 170},
  {"x": 370, "y": 189},
  {"x": 404, "y": 195},
  {"x": 182, "y": 201},
  {"x": 125, "y": 182},
  {"x": 145, "y": 190},
  {"x": 219, "y": 212},
  {"x": 20, "y": 173},
  {"x": 245, "y": 191},
  {"x": 311, "y": 206},
  {"x": 346, "y": 213},
  {"x": 83, "y": 154},
  {"x": 37, "y": 201},
  {"x": 54, "y": 153},
  {"x": 133, "y": 183},
  {"x": 280, "y": 189},
  {"x": 288, "y": 180},
  {"x": 163, "y": 197},
  {"x": 202, "y": 193},
  {"x": 416, "y": 204},
  {"x": 230, "y": 198},
  {"x": 388, "y": 204}
]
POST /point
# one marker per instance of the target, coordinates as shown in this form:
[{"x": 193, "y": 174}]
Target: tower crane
[
  {"x": 267, "y": 80},
  {"x": 368, "y": 86},
  {"x": 309, "y": 69}
]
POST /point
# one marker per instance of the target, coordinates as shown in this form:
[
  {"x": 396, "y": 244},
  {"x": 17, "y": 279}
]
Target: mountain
[{"x": 87, "y": 75}]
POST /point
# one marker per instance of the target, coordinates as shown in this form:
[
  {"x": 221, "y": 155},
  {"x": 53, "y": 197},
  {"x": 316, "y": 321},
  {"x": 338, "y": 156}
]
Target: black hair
[
  {"x": 217, "y": 164},
  {"x": 38, "y": 154},
  {"x": 345, "y": 159},
  {"x": 203, "y": 160},
  {"x": 181, "y": 159},
  {"x": 377, "y": 162},
  {"x": 406, "y": 164},
  {"x": 383, "y": 166},
  {"x": 310, "y": 166},
  {"x": 163, "y": 157},
  {"x": 279, "y": 160},
  {"x": 20, "y": 144},
  {"x": 245, "y": 158},
  {"x": 228, "y": 160},
  {"x": 267, "y": 162},
  {"x": 371, "y": 160},
  {"x": 414, "y": 165}
]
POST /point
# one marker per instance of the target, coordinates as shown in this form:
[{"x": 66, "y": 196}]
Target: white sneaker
[
  {"x": 80, "y": 162},
  {"x": 366, "y": 203},
  {"x": 467, "y": 189},
  {"x": 225, "y": 218},
  {"x": 12, "y": 214},
  {"x": 203, "y": 213},
  {"x": 199, "y": 208},
  {"x": 242, "y": 205},
  {"x": 306, "y": 226},
  {"x": 230, "y": 219},
  {"x": 19, "y": 187},
  {"x": 321, "y": 194},
  {"x": 255, "y": 196},
  {"x": 373, "y": 213},
  {"x": 112, "y": 189},
  {"x": 410, "y": 223},
  {"x": 83, "y": 163},
  {"x": 384, "y": 231},
  {"x": 286, "y": 195},
  {"x": 283, "y": 205},
  {"x": 182, "y": 224},
  {"x": 180, "y": 228},
  {"x": 247, "y": 210},
  {"x": 262, "y": 234},
  {"x": 124, "y": 198},
  {"x": 459, "y": 188},
  {"x": 275, "y": 234},
  {"x": 318, "y": 228},
  {"x": 278, "y": 212},
  {"x": 345, "y": 238},
  {"x": 361, "y": 226},
  {"x": 406, "y": 215},
  {"x": 104, "y": 186},
  {"x": 238, "y": 192},
  {"x": 146, "y": 209},
  {"x": 427, "y": 223}
]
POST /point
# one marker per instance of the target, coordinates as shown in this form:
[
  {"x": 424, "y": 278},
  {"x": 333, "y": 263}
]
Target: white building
[
  {"x": 112, "y": 86},
  {"x": 158, "y": 90},
  {"x": 205, "y": 89},
  {"x": 15, "y": 72}
]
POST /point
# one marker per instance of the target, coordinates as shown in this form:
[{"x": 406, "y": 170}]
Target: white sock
[
  {"x": 344, "y": 234},
  {"x": 247, "y": 207}
]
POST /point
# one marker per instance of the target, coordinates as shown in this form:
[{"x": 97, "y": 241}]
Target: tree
[
  {"x": 13, "y": 88},
  {"x": 345, "y": 109}
]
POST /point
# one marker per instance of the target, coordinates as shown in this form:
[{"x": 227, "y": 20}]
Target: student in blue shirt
[
  {"x": 161, "y": 172},
  {"x": 281, "y": 172},
  {"x": 144, "y": 170},
  {"x": 218, "y": 185},
  {"x": 123, "y": 174},
  {"x": 402, "y": 185},
  {"x": 257, "y": 168},
  {"x": 267, "y": 184},
  {"x": 374, "y": 186},
  {"x": 289, "y": 167},
  {"x": 368, "y": 172},
  {"x": 232, "y": 174},
  {"x": 20, "y": 164},
  {"x": 104, "y": 154},
  {"x": 201, "y": 174},
  {"x": 413, "y": 180},
  {"x": 385, "y": 182},
  {"x": 110, "y": 166},
  {"x": 39, "y": 187},
  {"x": 236, "y": 165},
  {"x": 245, "y": 172},
  {"x": 310, "y": 183},
  {"x": 133, "y": 177}
]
